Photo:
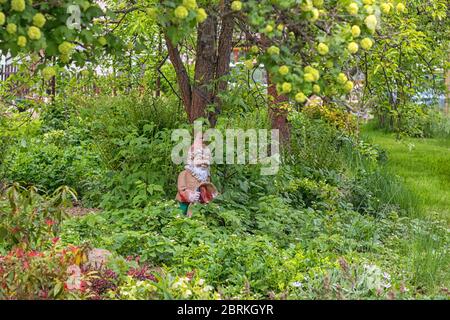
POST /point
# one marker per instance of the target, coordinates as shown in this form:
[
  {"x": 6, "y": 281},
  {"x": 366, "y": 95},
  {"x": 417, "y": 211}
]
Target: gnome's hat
[{"x": 199, "y": 154}]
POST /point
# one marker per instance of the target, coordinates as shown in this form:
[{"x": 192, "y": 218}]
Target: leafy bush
[
  {"x": 416, "y": 120},
  {"x": 15, "y": 128},
  {"x": 44, "y": 162},
  {"x": 32, "y": 274},
  {"x": 30, "y": 220},
  {"x": 341, "y": 119}
]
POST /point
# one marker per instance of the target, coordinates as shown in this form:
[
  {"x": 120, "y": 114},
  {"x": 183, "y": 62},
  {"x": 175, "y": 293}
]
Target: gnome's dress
[{"x": 187, "y": 184}]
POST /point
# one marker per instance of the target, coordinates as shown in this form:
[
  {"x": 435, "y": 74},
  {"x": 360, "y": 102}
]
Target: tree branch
[{"x": 182, "y": 75}]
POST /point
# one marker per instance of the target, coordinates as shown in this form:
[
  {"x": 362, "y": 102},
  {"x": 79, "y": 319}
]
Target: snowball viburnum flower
[
  {"x": 322, "y": 48},
  {"x": 314, "y": 72},
  {"x": 315, "y": 15},
  {"x": 65, "y": 48},
  {"x": 18, "y": 5},
  {"x": 366, "y": 43},
  {"x": 2, "y": 18},
  {"x": 236, "y": 6},
  {"x": 348, "y": 86},
  {"x": 21, "y": 41},
  {"x": 342, "y": 78},
  {"x": 401, "y": 7},
  {"x": 181, "y": 12},
  {"x": 369, "y": 9},
  {"x": 356, "y": 31},
  {"x": 39, "y": 20},
  {"x": 371, "y": 22},
  {"x": 309, "y": 77},
  {"x": 190, "y": 4},
  {"x": 201, "y": 15},
  {"x": 286, "y": 87},
  {"x": 300, "y": 97},
  {"x": 273, "y": 50},
  {"x": 307, "y": 6},
  {"x": 353, "y": 47},
  {"x": 34, "y": 33},
  {"x": 102, "y": 41},
  {"x": 48, "y": 73},
  {"x": 385, "y": 7},
  {"x": 283, "y": 70},
  {"x": 268, "y": 29},
  {"x": 316, "y": 88},
  {"x": 249, "y": 64},
  {"x": 11, "y": 28},
  {"x": 353, "y": 8}
]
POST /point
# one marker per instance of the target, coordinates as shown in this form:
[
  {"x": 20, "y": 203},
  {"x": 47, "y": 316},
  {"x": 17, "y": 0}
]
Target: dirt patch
[{"x": 80, "y": 211}]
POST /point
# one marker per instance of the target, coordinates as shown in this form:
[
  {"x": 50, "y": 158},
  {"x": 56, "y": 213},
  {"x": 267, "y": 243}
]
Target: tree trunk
[
  {"x": 278, "y": 116},
  {"x": 182, "y": 75},
  {"x": 213, "y": 54},
  {"x": 223, "y": 56},
  {"x": 205, "y": 66}
]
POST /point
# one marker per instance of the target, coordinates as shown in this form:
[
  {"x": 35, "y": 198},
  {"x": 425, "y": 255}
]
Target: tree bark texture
[{"x": 213, "y": 54}]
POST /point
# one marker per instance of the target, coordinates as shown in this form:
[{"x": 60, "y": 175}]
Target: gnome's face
[
  {"x": 202, "y": 159},
  {"x": 199, "y": 162}
]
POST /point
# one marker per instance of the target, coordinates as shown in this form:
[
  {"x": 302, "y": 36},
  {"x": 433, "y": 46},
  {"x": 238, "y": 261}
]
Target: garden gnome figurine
[{"x": 194, "y": 183}]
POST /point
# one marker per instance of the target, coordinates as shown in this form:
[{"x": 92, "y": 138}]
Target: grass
[{"x": 423, "y": 165}]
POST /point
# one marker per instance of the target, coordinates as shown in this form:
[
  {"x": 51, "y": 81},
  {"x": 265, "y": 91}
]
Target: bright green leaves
[
  {"x": 405, "y": 63},
  {"x": 43, "y": 26},
  {"x": 178, "y": 18},
  {"x": 316, "y": 41}
]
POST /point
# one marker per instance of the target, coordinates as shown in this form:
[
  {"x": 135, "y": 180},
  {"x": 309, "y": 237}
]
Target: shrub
[
  {"x": 334, "y": 116},
  {"x": 416, "y": 120},
  {"x": 32, "y": 274},
  {"x": 44, "y": 162},
  {"x": 30, "y": 220}
]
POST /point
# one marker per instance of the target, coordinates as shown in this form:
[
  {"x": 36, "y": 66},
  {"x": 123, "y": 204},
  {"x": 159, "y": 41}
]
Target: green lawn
[{"x": 423, "y": 164}]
